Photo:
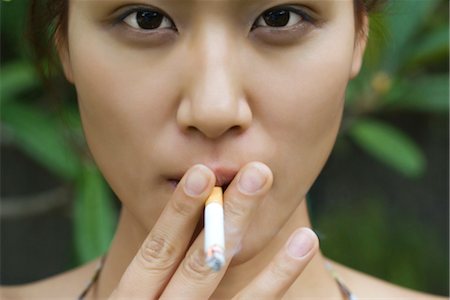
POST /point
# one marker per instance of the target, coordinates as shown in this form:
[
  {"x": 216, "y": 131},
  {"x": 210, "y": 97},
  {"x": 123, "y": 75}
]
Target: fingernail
[
  {"x": 196, "y": 182},
  {"x": 252, "y": 180},
  {"x": 301, "y": 243}
]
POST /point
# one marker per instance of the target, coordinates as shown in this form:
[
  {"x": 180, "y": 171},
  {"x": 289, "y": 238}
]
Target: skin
[
  {"x": 224, "y": 115},
  {"x": 213, "y": 99}
]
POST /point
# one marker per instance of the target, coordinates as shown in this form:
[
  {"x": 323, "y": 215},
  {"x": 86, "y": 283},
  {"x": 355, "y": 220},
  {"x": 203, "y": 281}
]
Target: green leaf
[
  {"x": 15, "y": 78},
  {"x": 426, "y": 94},
  {"x": 41, "y": 137},
  {"x": 389, "y": 145},
  {"x": 94, "y": 215},
  {"x": 434, "y": 45},
  {"x": 403, "y": 21}
]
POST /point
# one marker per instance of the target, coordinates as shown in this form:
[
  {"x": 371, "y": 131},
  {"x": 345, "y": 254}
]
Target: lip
[{"x": 224, "y": 175}]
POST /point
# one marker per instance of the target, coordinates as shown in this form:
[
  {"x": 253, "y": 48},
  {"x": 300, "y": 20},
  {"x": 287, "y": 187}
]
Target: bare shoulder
[
  {"x": 67, "y": 285},
  {"x": 368, "y": 287}
]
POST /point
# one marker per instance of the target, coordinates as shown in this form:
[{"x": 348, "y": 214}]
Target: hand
[{"x": 165, "y": 268}]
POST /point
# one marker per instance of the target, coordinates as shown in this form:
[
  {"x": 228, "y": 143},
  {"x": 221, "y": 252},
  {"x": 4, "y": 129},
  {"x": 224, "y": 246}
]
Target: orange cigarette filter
[{"x": 216, "y": 196}]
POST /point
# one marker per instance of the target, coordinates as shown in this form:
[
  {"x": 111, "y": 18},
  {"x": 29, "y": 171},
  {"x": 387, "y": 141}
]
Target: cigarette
[{"x": 214, "y": 230}]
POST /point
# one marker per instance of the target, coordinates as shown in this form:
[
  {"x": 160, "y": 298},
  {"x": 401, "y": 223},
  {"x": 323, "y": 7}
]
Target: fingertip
[
  {"x": 302, "y": 242},
  {"x": 254, "y": 178},
  {"x": 264, "y": 169},
  {"x": 198, "y": 181}
]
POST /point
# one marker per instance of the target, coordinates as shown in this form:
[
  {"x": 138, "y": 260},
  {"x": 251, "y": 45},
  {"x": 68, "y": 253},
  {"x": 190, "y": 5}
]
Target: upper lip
[{"x": 224, "y": 174}]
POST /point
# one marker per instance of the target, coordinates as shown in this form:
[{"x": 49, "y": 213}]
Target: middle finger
[{"x": 193, "y": 278}]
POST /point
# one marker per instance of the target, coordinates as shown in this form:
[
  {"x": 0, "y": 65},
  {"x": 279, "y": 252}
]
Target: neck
[{"x": 315, "y": 281}]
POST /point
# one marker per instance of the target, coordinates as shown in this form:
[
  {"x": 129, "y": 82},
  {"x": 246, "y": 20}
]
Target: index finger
[
  {"x": 161, "y": 252},
  {"x": 274, "y": 281},
  {"x": 194, "y": 279}
]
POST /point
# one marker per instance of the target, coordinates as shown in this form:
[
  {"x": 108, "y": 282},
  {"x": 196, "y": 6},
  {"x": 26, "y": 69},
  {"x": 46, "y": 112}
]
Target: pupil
[
  {"x": 277, "y": 18},
  {"x": 149, "y": 19}
]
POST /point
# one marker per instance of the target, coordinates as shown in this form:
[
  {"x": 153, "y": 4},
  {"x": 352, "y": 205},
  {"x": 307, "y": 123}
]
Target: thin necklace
[
  {"x": 346, "y": 293},
  {"x": 94, "y": 278}
]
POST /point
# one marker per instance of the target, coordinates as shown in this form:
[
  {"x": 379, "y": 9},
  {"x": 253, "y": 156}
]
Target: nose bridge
[
  {"x": 213, "y": 79},
  {"x": 213, "y": 102}
]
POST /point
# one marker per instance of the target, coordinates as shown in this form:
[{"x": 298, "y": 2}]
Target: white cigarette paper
[{"x": 214, "y": 230}]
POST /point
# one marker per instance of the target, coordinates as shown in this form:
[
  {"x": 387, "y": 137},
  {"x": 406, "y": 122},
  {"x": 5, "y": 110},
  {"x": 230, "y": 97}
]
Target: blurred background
[{"x": 381, "y": 204}]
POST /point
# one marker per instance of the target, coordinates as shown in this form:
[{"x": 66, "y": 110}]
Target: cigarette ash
[{"x": 215, "y": 258}]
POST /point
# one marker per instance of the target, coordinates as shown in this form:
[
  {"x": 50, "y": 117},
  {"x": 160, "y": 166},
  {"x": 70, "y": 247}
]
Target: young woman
[{"x": 179, "y": 96}]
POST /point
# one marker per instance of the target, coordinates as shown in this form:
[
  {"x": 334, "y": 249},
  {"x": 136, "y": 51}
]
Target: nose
[{"x": 213, "y": 102}]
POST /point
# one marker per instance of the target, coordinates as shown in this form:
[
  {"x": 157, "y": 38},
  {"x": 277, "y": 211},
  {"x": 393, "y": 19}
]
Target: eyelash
[
  {"x": 300, "y": 14},
  {"x": 134, "y": 11}
]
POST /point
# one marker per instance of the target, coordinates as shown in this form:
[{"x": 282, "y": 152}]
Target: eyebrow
[{"x": 239, "y": 9}]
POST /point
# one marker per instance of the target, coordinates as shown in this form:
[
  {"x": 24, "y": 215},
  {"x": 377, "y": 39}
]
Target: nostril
[
  {"x": 213, "y": 121},
  {"x": 235, "y": 128}
]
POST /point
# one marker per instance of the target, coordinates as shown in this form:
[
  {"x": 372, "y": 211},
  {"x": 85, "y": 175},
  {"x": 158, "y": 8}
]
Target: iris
[
  {"x": 277, "y": 18},
  {"x": 149, "y": 19}
]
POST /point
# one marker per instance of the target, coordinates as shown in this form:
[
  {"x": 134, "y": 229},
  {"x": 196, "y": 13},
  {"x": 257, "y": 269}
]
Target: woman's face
[{"x": 217, "y": 82}]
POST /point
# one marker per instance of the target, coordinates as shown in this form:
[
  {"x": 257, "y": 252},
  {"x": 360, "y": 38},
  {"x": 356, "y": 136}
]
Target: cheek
[
  {"x": 302, "y": 106},
  {"x": 123, "y": 105},
  {"x": 301, "y": 110}
]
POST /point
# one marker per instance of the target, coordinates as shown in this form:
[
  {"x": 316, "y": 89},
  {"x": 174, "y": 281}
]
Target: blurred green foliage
[
  {"x": 409, "y": 39},
  {"x": 404, "y": 252},
  {"x": 405, "y": 69},
  {"x": 405, "y": 72},
  {"x": 32, "y": 120}
]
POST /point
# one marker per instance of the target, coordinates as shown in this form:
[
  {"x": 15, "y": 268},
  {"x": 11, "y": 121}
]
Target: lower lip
[{"x": 173, "y": 183}]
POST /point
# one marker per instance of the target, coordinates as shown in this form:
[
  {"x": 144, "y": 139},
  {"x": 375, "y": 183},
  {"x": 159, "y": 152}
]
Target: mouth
[{"x": 224, "y": 177}]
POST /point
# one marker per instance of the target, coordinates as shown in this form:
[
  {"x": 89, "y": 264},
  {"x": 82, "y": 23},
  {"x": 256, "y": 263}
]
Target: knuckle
[
  {"x": 283, "y": 271},
  {"x": 194, "y": 267},
  {"x": 183, "y": 208},
  {"x": 157, "y": 253},
  {"x": 236, "y": 209}
]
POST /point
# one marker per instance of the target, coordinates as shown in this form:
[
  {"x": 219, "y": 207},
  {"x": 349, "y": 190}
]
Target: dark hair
[
  {"x": 46, "y": 17},
  {"x": 364, "y": 8}
]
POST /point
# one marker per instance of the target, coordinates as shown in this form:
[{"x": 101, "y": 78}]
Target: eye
[
  {"x": 281, "y": 17},
  {"x": 146, "y": 19}
]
